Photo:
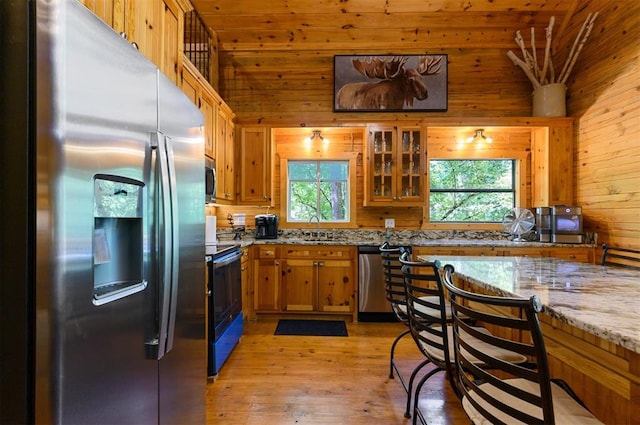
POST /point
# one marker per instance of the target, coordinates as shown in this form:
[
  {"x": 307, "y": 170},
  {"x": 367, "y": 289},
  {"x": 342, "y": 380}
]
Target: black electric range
[
  {"x": 224, "y": 314},
  {"x": 218, "y": 250}
]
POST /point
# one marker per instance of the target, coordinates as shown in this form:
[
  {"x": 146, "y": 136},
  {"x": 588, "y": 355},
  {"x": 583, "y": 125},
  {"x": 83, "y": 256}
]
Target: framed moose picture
[{"x": 390, "y": 83}]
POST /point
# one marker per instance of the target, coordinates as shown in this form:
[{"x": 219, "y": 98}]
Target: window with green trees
[
  {"x": 318, "y": 191},
  {"x": 475, "y": 191}
]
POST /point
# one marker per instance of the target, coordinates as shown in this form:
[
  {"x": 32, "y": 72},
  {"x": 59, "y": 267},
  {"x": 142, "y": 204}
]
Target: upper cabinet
[
  {"x": 172, "y": 28},
  {"x": 205, "y": 99},
  {"x": 395, "y": 166},
  {"x": 209, "y": 109},
  {"x": 225, "y": 155},
  {"x": 155, "y": 26},
  {"x": 255, "y": 165},
  {"x": 552, "y": 164}
]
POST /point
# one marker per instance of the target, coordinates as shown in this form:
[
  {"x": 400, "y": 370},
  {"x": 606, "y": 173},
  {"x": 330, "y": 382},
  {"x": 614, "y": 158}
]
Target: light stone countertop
[
  {"x": 413, "y": 242},
  {"x": 604, "y": 301},
  {"x": 435, "y": 238}
]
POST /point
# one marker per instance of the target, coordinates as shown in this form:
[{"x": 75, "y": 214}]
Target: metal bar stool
[
  {"x": 499, "y": 392},
  {"x": 430, "y": 325},
  {"x": 396, "y": 295}
]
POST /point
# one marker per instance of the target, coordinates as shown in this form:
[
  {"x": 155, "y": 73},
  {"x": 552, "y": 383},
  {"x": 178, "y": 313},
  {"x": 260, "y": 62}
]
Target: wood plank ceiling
[{"x": 258, "y": 41}]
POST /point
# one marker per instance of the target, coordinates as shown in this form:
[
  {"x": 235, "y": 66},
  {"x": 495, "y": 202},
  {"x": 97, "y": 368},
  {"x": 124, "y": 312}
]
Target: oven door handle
[{"x": 226, "y": 260}]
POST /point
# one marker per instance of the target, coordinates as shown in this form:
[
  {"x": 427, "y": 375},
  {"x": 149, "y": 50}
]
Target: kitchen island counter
[
  {"x": 600, "y": 300},
  {"x": 590, "y": 322}
]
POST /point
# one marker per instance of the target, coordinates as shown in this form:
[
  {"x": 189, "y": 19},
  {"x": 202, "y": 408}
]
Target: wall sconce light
[
  {"x": 479, "y": 136},
  {"x": 316, "y": 136}
]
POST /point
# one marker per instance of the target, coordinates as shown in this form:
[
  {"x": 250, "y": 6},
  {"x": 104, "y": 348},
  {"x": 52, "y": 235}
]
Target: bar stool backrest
[
  {"x": 426, "y": 307},
  {"x": 517, "y": 392},
  {"x": 393, "y": 279},
  {"x": 620, "y": 257}
]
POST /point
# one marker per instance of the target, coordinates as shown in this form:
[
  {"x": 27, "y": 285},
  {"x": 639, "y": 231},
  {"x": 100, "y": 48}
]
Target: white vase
[{"x": 550, "y": 101}]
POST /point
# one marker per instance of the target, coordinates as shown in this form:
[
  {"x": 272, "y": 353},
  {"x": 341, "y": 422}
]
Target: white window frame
[{"x": 284, "y": 193}]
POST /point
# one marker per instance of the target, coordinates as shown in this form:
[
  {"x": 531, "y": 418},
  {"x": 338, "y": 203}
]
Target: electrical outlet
[{"x": 389, "y": 223}]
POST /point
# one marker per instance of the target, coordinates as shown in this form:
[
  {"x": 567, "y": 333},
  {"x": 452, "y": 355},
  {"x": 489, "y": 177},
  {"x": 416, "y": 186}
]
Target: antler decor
[{"x": 529, "y": 62}]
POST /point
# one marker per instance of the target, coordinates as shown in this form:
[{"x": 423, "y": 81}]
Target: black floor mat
[{"x": 311, "y": 327}]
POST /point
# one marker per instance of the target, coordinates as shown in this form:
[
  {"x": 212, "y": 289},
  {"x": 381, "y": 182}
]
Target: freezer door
[
  {"x": 182, "y": 372},
  {"x": 96, "y": 110}
]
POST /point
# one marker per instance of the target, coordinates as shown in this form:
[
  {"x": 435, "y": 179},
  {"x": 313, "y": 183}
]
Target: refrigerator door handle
[
  {"x": 169, "y": 236},
  {"x": 175, "y": 250}
]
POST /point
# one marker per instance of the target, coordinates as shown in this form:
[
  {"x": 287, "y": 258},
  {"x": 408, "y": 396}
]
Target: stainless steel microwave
[{"x": 210, "y": 180}]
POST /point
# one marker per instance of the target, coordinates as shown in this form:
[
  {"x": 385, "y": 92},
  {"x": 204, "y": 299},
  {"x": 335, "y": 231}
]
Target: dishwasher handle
[{"x": 369, "y": 249}]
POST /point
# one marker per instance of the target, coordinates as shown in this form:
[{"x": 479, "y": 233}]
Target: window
[
  {"x": 473, "y": 191},
  {"x": 318, "y": 191}
]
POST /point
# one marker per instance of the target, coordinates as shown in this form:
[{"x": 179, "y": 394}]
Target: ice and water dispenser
[{"x": 117, "y": 238}]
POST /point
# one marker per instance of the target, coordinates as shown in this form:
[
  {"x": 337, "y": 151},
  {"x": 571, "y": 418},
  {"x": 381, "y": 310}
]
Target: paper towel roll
[{"x": 210, "y": 234}]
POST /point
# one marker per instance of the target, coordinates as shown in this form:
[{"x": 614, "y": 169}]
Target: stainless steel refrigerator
[{"x": 102, "y": 297}]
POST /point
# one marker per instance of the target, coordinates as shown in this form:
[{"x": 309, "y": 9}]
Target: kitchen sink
[{"x": 318, "y": 235}]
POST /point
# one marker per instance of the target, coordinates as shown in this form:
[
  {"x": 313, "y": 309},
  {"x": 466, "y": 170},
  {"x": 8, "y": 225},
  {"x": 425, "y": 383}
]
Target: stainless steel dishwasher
[{"x": 372, "y": 301}]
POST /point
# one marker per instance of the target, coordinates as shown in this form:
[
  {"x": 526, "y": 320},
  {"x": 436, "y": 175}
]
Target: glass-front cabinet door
[{"x": 394, "y": 169}]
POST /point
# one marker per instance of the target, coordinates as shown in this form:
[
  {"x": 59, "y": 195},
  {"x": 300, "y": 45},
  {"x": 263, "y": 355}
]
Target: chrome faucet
[{"x": 317, "y": 218}]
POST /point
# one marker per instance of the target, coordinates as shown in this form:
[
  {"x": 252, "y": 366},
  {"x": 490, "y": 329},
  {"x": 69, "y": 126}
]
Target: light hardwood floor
[{"x": 278, "y": 380}]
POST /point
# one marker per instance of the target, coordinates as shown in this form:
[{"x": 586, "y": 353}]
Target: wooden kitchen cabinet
[
  {"x": 299, "y": 285},
  {"x": 266, "y": 279},
  {"x": 209, "y": 110},
  {"x": 172, "y": 30},
  {"x": 255, "y": 166},
  {"x": 203, "y": 97},
  {"x": 225, "y": 155},
  {"x": 580, "y": 254},
  {"x": 245, "y": 274},
  {"x": 319, "y": 279},
  {"x": 336, "y": 286},
  {"x": 573, "y": 253},
  {"x": 394, "y": 171},
  {"x": 552, "y": 164},
  {"x": 156, "y": 26}
]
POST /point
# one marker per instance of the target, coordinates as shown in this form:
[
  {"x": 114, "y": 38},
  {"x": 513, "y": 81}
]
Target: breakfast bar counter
[{"x": 590, "y": 322}]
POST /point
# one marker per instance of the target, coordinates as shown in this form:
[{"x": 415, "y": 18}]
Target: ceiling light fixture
[{"x": 479, "y": 136}]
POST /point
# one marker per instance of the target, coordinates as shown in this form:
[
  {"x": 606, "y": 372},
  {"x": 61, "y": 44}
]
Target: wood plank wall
[
  {"x": 442, "y": 143},
  {"x": 604, "y": 94},
  {"x": 299, "y": 90},
  {"x": 602, "y": 90}
]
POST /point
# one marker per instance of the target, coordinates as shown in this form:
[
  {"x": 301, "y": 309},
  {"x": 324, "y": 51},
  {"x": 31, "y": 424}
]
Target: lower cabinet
[
  {"x": 321, "y": 279},
  {"x": 583, "y": 255},
  {"x": 300, "y": 285},
  {"x": 266, "y": 279},
  {"x": 305, "y": 279},
  {"x": 325, "y": 286},
  {"x": 245, "y": 272},
  {"x": 573, "y": 253}
]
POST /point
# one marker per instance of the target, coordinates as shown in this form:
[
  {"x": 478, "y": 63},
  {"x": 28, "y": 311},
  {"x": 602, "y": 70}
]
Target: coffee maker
[
  {"x": 543, "y": 224},
  {"x": 266, "y": 226}
]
